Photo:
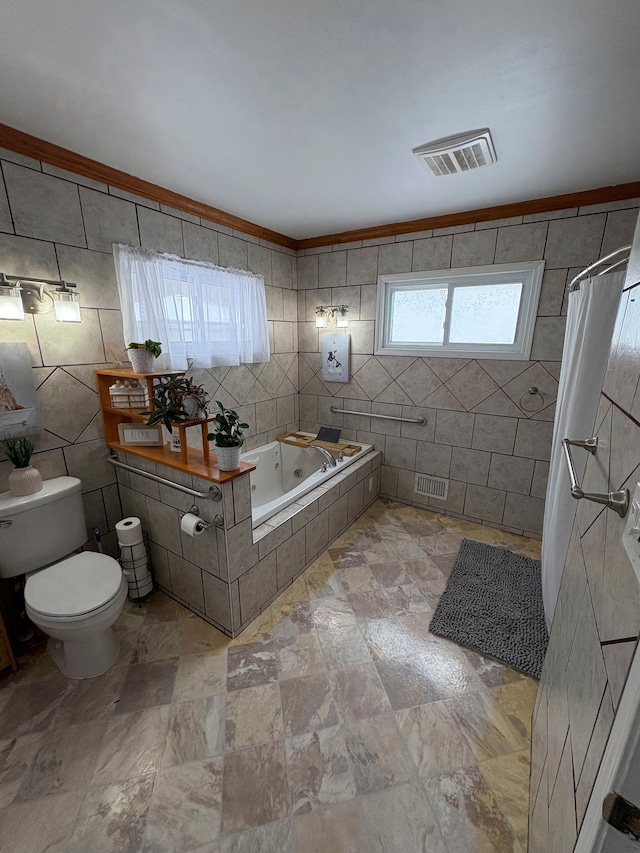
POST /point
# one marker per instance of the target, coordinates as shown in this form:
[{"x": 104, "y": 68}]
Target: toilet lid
[{"x": 77, "y": 585}]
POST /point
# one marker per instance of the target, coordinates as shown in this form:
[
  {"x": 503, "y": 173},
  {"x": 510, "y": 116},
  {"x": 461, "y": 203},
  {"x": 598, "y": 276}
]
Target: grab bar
[
  {"x": 213, "y": 494},
  {"x": 617, "y": 501},
  {"x": 385, "y": 417}
]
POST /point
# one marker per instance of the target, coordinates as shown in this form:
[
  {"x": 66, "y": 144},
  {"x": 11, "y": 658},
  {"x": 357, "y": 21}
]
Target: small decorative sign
[
  {"x": 335, "y": 357},
  {"x": 141, "y": 434}
]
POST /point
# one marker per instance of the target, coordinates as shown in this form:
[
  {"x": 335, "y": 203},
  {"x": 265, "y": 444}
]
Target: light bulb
[
  {"x": 11, "y": 307},
  {"x": 66, "y": 306},
  {"x": 342, "y": 321}
]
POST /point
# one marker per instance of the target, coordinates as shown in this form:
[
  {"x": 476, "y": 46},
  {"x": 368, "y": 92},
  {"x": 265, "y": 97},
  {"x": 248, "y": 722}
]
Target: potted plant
[
  {"x": 143, "y": 355},
  {"x": 228, "y": 437},
  {"x": 24, "y": 479},
  {"x": 177, "y": 399},
  {"x": 195, "y": 401}
]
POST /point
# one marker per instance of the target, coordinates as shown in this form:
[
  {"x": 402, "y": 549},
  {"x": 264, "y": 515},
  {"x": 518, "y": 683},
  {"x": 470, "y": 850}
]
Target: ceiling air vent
[
  {"x": 431, "y": 487},
  {"x": 458, "y": 153}
]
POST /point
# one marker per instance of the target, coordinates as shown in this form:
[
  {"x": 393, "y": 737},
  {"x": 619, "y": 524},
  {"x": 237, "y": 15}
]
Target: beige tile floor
[{"x": 335, "y": 723}]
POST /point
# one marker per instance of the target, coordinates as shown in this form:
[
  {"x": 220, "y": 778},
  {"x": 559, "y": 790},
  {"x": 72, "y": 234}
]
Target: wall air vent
[
  {"x": 459, "y": 153},
  {"x": 431, "y": 487}
]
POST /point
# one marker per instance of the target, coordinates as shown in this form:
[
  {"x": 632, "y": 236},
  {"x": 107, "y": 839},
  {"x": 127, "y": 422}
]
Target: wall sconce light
[
  {"x": 20, "y": 295},
  {"x": 10, "y": 301},
  {"x": 342, "y": 321},
  {"x": 66, "y": 304},
  {"x": 325, "y": 313}
]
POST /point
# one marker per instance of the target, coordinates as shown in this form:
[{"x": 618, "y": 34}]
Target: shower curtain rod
[{"x": 575, "y": 282}]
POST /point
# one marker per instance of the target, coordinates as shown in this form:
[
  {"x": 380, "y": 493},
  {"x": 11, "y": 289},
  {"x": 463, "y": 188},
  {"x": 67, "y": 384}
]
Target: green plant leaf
[{"x": 18, "y": 450}]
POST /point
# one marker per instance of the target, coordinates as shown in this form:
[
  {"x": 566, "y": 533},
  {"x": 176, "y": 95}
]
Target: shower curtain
[{"x": 590, "y": 320}]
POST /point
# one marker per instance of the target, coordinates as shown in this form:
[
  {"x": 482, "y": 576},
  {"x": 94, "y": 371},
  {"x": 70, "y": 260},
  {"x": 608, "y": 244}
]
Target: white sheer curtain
[
  {"x": 202, "y": 314},
  {"x": 590, "y": 320}
]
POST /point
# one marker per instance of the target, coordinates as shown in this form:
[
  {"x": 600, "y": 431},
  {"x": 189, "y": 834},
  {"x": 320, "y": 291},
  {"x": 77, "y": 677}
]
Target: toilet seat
[{"x": 76, "y": 587}]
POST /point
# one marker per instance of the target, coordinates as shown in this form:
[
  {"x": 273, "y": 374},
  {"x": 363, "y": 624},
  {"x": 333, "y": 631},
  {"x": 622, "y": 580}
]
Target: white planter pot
[
  {"x": 25, "y": 481},
  {"x": 141, "y": 360},
  {"x": 191, "y": 407},
  {"x": 228, "y": 458}
]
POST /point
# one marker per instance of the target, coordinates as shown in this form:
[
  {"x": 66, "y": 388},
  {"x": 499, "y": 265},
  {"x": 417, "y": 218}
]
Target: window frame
[{"x": 529, "y": 274}]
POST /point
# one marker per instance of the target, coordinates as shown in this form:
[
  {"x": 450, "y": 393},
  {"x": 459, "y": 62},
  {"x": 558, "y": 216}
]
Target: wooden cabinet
[{"x": 193, "y": 461}]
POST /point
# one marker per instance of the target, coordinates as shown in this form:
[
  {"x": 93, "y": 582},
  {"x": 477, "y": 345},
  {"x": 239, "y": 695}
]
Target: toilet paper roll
[
  {"x": 137, "y": 574},
  {"x": 192, "y": 524},
  {"x": 129, "y": 531},
  {"x": 133, "y": 554},
  {"x": 139, "y": 588},
  {"x": 138, "y": 565}
]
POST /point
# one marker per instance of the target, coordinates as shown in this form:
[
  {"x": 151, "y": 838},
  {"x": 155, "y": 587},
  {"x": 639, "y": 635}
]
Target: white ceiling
[{"x": 300, "y": 115}]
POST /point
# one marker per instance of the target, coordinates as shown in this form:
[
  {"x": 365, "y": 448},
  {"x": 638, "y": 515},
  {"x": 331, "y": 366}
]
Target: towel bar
[{"x": 617, "y": 501}]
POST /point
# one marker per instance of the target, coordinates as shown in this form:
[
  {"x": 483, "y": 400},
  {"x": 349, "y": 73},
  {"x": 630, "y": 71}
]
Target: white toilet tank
[{"x": 37, "y": 530}]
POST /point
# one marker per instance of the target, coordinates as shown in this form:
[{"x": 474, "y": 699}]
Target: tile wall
[
  {"x": 230, "y": 573},
  {"x": 597, "y": 618},
  {"x": 60, "y": 225},
  {"x": 54, "y": 224},
  {"x": 478, "y": 433}
]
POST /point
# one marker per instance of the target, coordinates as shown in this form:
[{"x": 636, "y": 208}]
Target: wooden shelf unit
[{"x": 190, "y": 459}]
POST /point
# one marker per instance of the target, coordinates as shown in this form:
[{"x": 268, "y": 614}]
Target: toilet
[{"x": 75, "y": 598}]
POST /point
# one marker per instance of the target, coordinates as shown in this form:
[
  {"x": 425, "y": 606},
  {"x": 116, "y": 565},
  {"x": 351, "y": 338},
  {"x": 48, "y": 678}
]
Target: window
[
  {"x": 478, "y": 312},
  {"x": 203, "y": 315}
]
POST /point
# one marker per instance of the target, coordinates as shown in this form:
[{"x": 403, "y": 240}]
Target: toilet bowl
[
  {"x": 74, "y": 599},
  {"x": 76, "y": 602}
]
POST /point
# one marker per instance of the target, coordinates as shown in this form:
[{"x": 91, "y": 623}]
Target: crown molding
[
  {"x": 55, "y": 155},
  {"x": 601, "y": 195}
]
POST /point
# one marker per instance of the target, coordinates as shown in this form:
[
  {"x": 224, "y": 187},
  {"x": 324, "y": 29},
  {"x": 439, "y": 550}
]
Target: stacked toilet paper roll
[{"x": 133, "y": 557}]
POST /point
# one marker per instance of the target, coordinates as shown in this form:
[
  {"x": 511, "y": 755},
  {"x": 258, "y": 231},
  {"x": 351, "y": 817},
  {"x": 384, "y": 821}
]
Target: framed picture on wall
[
  {"x": 19, "y": 413},
  {"x": 335, "y": 357}
]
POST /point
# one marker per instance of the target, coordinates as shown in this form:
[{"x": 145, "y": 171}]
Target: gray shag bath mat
[{"x": 493, "y": 604}]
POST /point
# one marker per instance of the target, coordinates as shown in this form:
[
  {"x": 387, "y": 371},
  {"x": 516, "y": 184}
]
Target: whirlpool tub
[{"x": 284, "y": 473}]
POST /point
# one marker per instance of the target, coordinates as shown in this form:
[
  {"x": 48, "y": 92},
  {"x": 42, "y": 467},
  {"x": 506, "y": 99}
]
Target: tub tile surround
[
  {"x": 56, "y": 224},
  {"x": 229, "y": 574},
  {"x": 319, "y": 729},
  {"x": 599, "y": 603},
  {"x": 491, "y": 443}
]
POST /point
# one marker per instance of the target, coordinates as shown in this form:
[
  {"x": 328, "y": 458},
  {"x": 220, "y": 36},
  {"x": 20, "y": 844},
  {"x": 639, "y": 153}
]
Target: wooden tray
[{"x": 298, "y": 439}]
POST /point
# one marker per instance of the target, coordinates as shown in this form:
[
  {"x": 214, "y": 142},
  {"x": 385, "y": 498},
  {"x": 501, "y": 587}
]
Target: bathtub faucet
[{"x": 331, "y": 459}]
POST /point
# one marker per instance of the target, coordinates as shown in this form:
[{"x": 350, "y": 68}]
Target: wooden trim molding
[
  {"x": 485, "y": 214},
  {"x": 39, "y": 149}
]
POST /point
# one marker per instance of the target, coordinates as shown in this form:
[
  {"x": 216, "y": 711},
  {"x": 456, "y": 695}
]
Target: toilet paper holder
[{"x": 218, "y": 520}]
